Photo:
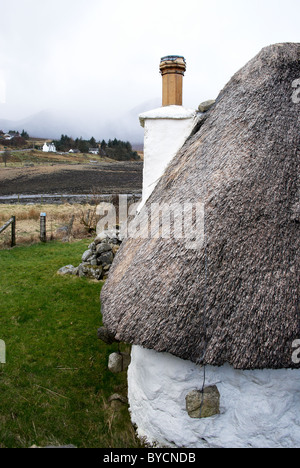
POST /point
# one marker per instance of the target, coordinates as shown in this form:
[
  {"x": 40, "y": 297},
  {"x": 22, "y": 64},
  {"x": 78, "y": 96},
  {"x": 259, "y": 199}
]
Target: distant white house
[
  {"x": 94, "y": 150},
  {"x": 49, "y": 148}
]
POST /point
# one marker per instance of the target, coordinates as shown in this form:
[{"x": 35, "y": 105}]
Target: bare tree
[{"x": 5, "y": 156}]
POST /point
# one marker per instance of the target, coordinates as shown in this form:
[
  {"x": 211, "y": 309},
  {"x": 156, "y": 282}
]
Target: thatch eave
[{"x": 236, "y": 299}]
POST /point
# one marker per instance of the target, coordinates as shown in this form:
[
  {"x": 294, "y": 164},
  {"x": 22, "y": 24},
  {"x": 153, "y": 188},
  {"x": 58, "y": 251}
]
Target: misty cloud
[{"x": 91, "y": 62}]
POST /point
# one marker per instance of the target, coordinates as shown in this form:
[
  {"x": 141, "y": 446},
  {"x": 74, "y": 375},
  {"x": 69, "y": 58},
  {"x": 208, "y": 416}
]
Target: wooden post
[
  {"x": 43, "y": 234},
  {"x": 11, "y": 221},
  {"x": 13, "y": 231}
]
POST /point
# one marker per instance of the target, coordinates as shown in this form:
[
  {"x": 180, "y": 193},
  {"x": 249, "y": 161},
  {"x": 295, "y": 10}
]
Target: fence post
[
  {"x": 43, "y": 235},
  {"x": 13, "y": 231}
]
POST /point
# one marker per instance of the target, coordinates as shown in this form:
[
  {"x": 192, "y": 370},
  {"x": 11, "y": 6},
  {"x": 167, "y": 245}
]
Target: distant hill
[
  {"x": 52, "y": 124},
  {"x": 42, "y": 125}
]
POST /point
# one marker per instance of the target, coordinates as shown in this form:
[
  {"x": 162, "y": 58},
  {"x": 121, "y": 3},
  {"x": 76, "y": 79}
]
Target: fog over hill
[{"x": 52, "y": 124}]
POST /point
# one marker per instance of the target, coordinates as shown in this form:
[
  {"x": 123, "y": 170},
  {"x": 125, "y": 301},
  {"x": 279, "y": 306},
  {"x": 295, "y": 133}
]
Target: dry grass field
[
  {"x": 58, "y": 220},
  {"x": 20, "y": 158}
]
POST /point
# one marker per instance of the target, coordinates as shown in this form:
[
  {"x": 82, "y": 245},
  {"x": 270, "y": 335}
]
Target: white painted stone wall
[
  {"x": 166, "y": 130},
  {"x": 259, "y": 408}
]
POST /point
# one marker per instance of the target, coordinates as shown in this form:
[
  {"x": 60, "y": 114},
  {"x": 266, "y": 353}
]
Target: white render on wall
[
  {"x": 259, "y": 408},
  {"x": 166, "y": 130}
]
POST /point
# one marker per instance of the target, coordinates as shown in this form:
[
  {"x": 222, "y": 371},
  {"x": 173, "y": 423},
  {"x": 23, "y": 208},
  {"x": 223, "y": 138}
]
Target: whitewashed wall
[
  {"x": 259, "y": 408},
  {"x": 166, "y": 130}
]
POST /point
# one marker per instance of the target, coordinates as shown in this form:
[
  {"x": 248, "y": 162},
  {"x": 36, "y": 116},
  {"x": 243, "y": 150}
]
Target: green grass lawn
[{"x": 55, "y": 385}]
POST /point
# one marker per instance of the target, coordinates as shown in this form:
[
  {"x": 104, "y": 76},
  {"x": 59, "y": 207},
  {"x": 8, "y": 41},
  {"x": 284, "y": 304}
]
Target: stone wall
[{"x": 97, "y": 259}]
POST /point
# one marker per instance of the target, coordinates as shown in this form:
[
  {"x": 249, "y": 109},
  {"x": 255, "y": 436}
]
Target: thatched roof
[{"x": 235, "y": 300}]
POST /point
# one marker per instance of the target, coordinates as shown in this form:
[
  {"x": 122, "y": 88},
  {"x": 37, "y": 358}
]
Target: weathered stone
[
  {"x": 86, "y": 255},
  {"x": 118, "y": 362},
  {"x": 115, "y": 363},
  {"x": 203, "y": 404},
  {"x": 103, "y": 247},
  {"x": 105, "y": 258},
  {"x": 68, "y": 270},
  {"x": 106, "y": 336},
  {"x": 90, "y": 271},
  {"x": 82, "y": 269},
  {"x": 92, "y": 247},
  {"x": 206, "y": 105}
]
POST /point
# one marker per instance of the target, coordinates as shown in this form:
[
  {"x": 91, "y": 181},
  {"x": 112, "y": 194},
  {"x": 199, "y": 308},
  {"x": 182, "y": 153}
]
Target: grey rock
[
  {"x": 92, "y": 247},
  {"x": 86, "y": 255},
  {"x": 82, "y": 269},
  {"x": 68, "y": 270},
  {"x": 103, "y": 247},
  {"x": 115, "y": 363},
  {"x": 203, "y": 404},
  {"x": 90, "y": 271},
  {"x": 118, "y": 362},
  {"x": 105, "y": 258},
  {"x": 206, "y": 105}
]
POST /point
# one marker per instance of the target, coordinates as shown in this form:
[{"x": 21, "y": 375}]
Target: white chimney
[{"x": 166, "y": 128}]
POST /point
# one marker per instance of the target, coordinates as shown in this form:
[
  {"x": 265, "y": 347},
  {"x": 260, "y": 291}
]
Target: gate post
[{"x": 43, "y": 236}]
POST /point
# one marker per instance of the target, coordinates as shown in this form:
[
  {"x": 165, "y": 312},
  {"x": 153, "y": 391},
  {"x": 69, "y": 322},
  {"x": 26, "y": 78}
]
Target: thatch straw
[{"x": 235, "y": 300}]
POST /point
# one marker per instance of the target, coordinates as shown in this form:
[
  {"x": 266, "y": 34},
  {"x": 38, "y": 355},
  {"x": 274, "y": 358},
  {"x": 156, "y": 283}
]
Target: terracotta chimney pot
[{"x": 172, "y": 68}]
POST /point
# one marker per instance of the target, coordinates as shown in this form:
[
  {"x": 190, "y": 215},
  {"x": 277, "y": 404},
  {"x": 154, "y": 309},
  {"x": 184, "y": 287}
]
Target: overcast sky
[{"x": 100, "y": 58}]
